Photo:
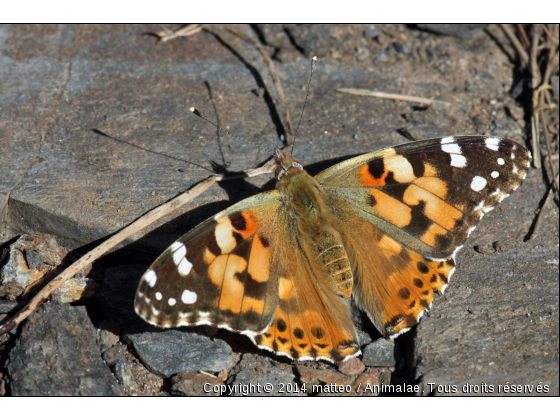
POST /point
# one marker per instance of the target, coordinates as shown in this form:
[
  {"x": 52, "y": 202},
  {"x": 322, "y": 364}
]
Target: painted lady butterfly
[{"x": 383, "y": 228}]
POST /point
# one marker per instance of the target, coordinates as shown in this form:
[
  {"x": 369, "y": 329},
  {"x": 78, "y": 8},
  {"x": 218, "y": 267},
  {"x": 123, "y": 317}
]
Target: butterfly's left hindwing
[{"x": 222, "y": 273}]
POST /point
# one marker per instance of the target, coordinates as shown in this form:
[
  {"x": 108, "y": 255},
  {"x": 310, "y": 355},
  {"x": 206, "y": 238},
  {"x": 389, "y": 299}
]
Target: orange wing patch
[
  {"x": 377, "y": 172},
  {"x": 391, "y": 209},
  {"x": 435, "y": 208}
]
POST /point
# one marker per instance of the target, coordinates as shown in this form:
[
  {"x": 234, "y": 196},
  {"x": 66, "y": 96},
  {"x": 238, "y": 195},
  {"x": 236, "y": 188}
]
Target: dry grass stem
[
  {"x": 521, "y": 52},
  {"x": 393, "y": 96},
  {"x": 535, "y": 80},
  {"x": 167, "y": 35}
]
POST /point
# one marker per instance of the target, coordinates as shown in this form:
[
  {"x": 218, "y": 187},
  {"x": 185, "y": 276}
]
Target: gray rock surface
[
  {"x": 57, "y": 354},
  {"x": 379, "y": 353},
  {"x": 258, "y": 375},
  {"x": 7, "y": 305},
  {"x": 188, "y": 385},
  {"x": 169, "y": 352},
  {"x": 463, "y": 31},
  {"x": 135, "y": 379}
]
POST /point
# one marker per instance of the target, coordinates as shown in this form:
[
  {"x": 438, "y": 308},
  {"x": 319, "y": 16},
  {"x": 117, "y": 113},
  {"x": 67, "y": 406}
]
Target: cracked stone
[
  {"x": 57, "y": 354},
  {"x": 169, "y": 352},
  {"x": 31, "y": 259}
]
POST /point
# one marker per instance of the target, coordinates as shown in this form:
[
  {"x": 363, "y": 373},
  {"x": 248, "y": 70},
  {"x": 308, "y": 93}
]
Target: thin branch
[
  {"x": 167, "y": 35},
  {"x": 523, "y": 34},
  {"x": 549, "y": 148},
  {"x": 549, "y": 35},
  {"x": 535, "y": 79},
  {"x": 393, "y": 96},
  {"x": 272, "y": 70},
  {"x": 146, "y": 220},
  {"x": 521, "y": 52}
]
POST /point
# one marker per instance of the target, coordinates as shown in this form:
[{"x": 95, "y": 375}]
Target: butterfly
[{"x": 382, "y": 228}]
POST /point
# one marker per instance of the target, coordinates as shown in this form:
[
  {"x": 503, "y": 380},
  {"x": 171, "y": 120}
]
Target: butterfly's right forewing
[{"x": 222, "y": 273}]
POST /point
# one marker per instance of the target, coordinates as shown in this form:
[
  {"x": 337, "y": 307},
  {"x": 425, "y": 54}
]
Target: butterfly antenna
[
  {"x": 198, "y": 114},
  {"x": 313, "y": 61}
]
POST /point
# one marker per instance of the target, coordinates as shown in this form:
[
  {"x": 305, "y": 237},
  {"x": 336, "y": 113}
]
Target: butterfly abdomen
[{"x": 331, "y": 255}]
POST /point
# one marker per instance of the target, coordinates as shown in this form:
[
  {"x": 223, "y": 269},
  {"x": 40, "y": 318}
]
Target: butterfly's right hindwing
[{"x": 222, "y": 273}]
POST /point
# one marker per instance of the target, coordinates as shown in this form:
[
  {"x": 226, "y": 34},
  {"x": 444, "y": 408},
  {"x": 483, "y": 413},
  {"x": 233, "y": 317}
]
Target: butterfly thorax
[{"x": 307, "y": 204}]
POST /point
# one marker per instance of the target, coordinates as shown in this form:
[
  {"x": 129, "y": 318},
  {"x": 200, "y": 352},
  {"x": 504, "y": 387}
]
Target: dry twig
[
  {"x": 167, "y": 35},
  {"x": 535, "y": 79},
  {"x": 524, "y": 37},
  {"x": 393, "y": 96},
  {"x": 523, "y": 56}
]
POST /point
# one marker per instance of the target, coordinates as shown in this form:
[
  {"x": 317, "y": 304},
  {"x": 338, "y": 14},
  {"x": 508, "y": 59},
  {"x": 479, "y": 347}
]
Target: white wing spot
[
  {"x": 478, "y": 183},
  {"x": 495, "y": 174},
  {"x": 175, "y": 246},
  {"x": 155, "y": 311},
  {"x": 512, "y": 156},
  {"x": 501, "y": 161},
  {"x": 492, "y": 143},
  {"x": 179, "y": 253},
  {"x": 449, "y": 139},
  {"x": 158, "y": 296},
  {"x": 514, "y": 170},
  {"x": 459, "y": 161},
  {"x": 171, "y": 302},
  {"x": 151, "y": 278},
  {"x": 451, "y": 148},
  {"x": 184, "y": 267},
  {"x": 188, "y": 297}
]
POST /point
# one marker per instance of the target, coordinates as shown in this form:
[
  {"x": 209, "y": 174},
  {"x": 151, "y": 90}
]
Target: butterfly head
[{"x": 287, "y": 166}]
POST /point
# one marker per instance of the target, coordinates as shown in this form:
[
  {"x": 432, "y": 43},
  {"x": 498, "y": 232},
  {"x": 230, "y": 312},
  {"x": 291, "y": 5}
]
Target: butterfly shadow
[{"x": 119, "y": 272}]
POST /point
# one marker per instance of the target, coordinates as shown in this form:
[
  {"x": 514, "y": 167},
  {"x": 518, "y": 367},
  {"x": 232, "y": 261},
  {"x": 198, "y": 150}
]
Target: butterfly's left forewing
[
  {"x": 223, "y": 273},
  {"x": 429, "y": 195},
  {"x": 405, "y": 211}
]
